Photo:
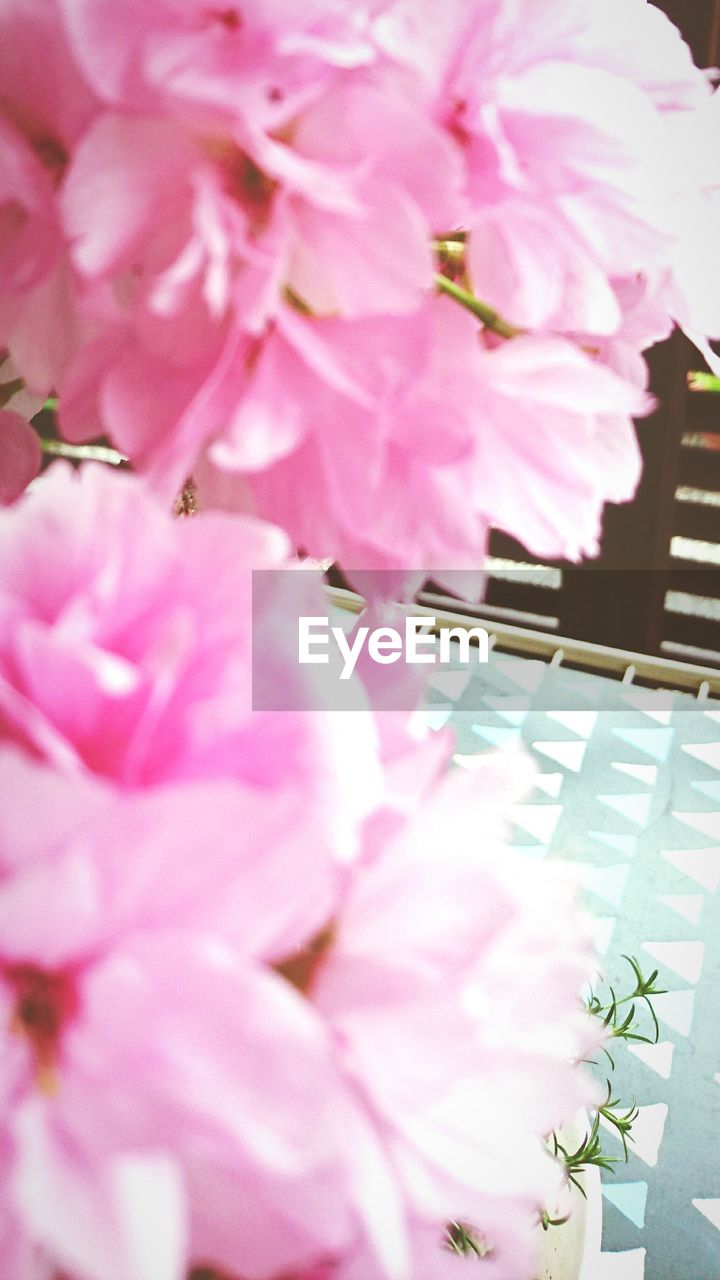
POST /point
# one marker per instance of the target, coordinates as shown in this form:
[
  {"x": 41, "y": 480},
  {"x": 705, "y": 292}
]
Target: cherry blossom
[{"x": 212, "y": 1024}]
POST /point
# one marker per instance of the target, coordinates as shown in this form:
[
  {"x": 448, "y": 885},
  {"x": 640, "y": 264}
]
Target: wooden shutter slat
[
  {"x": 506, "y": 547},
  {"x": 697, "y": 580},
  {"x": 701, "y": 633},
  {"x": 700, "y": 469},
  {"x": 695, "y": 521},
  {"x": 525, "y": 597}
]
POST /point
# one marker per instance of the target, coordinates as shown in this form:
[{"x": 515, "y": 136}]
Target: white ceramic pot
[{"x": 571, "y": 1251}]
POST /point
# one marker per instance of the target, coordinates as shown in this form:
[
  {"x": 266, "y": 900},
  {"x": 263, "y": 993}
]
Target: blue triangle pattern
[
  {"x": 652, "y": 742},
  {"x": 624, "y": 844},
  {"x": 499, "y": 737},
  {"x": 630, "y": 1198}
]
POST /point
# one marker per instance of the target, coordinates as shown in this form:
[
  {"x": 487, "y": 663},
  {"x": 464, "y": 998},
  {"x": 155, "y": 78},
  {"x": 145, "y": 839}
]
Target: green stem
[
  {"x": 82, "y": 452},
  {"x": 699, "y": 381},
  {"x": 490, "y": 319}
]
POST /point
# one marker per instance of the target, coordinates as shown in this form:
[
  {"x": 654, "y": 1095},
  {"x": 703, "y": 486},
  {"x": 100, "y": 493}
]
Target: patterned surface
[{"x": 629, "y": 791}]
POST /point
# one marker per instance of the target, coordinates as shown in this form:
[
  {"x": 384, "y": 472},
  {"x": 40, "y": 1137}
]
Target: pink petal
[
  {"x": 357, "y": 260},
  {"x": 122, "y": 1219},
  {"x": 128, "y": 177},
  {"x": 20, "y": 456}
]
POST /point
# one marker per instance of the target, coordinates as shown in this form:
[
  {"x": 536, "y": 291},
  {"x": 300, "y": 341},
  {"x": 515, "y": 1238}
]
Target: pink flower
[
  {"x": 20, "y": 455},
  {"x": 403, "y": 983},
  {"x": 232, "y": 59},
  {"x": 31, "y": 236},
  {"x": 379, "y": 420},
  {"x": 156, "y": 1069},
  {"x": 31, "y": 261},
  {"x": 381, "y": 416},
  {"x": 47, "y": 97},
  {"x": 121, "y": 646},
  {"x": 160, "y": 248},
  {"x": 567, "y": 117},
  {"x": 128, "y": 648},
  {"x": 696, "y": 277},
  {"x": 46, "y": 104},
  {"x": 216, "y": 1014},
  {"x": 190, "y": 226},
  {"x": 565, "y": 121},
  {"x": 532, "y": 436},
  {"x": 559, "y": 443},
  {"x": 201, "y": 239},
  {"x": 651, "y": 52}
]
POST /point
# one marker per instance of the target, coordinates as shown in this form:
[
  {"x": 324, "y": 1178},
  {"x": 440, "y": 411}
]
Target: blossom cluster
[
  {"x": 381, "y": 273},
  {"x": 276, "y": 999},
  {"x": 278, "y": 1002}
]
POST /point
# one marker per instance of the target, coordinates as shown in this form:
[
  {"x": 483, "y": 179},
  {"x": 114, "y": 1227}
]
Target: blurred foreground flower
[
  {"x": 127, "y": 648},
  {"x": 274, "y": 995},
  {"x": 225, "y": 1048}
]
